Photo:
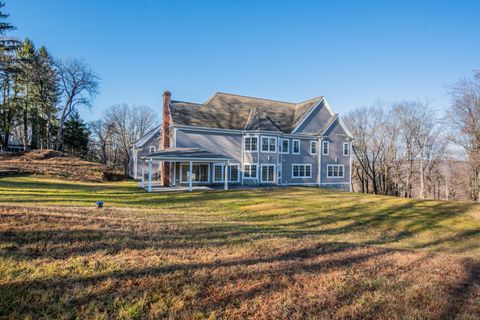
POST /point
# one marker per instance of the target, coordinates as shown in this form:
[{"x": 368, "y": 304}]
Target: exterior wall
[
  {"x": 303, "y": 158},
  {"x": 316, "y": 120},
  {"x": 336, "y": 137},
  {"x": 142, "y": 152}
]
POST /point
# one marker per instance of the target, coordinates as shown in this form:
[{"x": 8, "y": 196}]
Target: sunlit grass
[{"x": 260, "y": 253}]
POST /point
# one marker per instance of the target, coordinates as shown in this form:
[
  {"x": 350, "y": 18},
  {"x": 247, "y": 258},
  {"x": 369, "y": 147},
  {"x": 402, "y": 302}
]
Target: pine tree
[
  {"x": 4, "y": 26},
  {"x": 76, "y": 135}
]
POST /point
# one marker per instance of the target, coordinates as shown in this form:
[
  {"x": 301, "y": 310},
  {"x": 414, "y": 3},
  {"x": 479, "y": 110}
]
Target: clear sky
[{"x": 353, "y": 52}]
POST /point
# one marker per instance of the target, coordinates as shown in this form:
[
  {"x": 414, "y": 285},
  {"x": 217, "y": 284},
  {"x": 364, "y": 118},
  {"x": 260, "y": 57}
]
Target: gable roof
[
  {"x": 140, "y": 142},
  {"x": 230, "y": 111}
]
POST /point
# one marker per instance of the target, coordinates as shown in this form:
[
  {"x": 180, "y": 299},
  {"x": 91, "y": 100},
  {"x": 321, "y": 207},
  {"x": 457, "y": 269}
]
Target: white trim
[
  {"x": 327, "y": 183},
  {"x": 140, "y": 142},
  {"x": 313, "y": 184},
  {"x": 194, "y": 164},
  {"x": 343, "y": 149},
  {"x": 256, "y": 171},
  {"x": 222, "y": 165},
  {"x": 328, "y": 148},
  {"x": 268, "y": 143},
  {"x": 336, "y": 165},
  {"x": 316, "y": 147},
  {"x": 251, "y": 136},
  {"x": 280, "y": 143},
  {"x": 305, "y": 170},
  {"x": 293, "y": 146},
  {"x": 274, "y": 172},
  {"x": 245, "y": 132},
  {"x": 342, "y": 124},
  {"x": 327, "y": 105},
  {"x": 150, "y": 149},
  {"x": 307, "y": 115}
]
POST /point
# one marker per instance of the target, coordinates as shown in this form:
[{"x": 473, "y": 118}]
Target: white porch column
[
  {"x": 225, "y": 175},
  {"x": 172, "y": 167},
  {"x": 190, "y": 176},
  {"x": 150, "y": 175},
  {"x": 143, "y": 173}
]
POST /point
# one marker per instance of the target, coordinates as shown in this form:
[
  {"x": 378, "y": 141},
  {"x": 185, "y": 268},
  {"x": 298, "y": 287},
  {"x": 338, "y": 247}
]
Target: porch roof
[{"x": 187, "y": 154}]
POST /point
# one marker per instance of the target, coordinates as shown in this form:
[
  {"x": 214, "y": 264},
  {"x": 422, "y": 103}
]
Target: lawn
[{"x": 291, "y": 253}]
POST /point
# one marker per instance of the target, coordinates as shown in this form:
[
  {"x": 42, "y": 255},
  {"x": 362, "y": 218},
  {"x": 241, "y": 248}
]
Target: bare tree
[
  {"x": 464, "y": 118},
  {"x": 79, "y": 84}
]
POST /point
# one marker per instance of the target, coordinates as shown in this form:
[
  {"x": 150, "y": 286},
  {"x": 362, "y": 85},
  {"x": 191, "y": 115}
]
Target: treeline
[
  {"x": 40, "y": 99},
  {"x": 408, "y": 150}
]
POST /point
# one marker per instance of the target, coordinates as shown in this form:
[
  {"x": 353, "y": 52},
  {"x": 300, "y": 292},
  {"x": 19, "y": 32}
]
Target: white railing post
[
  {"x": 190, "y": 176},
  {"x": 150, "y": 175},
  {"x": 143, "y": 174},
  {"x": 225, "y": 187}
]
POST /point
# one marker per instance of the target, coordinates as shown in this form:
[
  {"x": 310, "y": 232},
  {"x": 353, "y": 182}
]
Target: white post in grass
[
  {"x": 150, "y": 175},
  {"x": 143, "y": 174},
  {"x": 225, "y": 176},
  {"x": 190, "y": 177}
]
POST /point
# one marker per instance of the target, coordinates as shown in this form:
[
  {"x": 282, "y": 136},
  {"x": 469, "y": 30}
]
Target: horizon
[{"x": 354, "y": 54}]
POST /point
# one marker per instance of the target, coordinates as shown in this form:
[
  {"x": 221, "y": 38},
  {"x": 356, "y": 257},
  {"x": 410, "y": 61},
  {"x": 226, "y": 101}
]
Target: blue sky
[{"x": 353, "y": 52}]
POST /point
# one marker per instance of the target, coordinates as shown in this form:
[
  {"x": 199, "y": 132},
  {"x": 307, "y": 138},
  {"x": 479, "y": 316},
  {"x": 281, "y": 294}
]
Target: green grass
[{"x": 263, "y": 253}]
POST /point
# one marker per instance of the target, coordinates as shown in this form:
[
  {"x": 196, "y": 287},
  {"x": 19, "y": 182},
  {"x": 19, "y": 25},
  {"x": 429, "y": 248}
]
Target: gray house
[
  {"x": 249, "y": 141},
  {"x": 150, "y": 143}
]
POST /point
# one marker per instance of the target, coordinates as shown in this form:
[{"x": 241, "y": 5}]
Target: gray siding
[
  {"x": 336, "y": 137},
  {"x": 316, "y": 120},
  {"x": 142, "y": 152},
  {"x": 303, "y": 158}
]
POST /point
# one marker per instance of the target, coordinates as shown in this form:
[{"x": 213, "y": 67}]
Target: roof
[
  {"x": 189, "y": 154},
  {"x": 230, "y": 111},
  {"x": 140, "y": 142}
]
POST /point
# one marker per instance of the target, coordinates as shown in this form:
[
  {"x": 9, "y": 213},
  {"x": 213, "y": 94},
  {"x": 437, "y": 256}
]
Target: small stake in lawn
[{"x": 99, "y": 204}]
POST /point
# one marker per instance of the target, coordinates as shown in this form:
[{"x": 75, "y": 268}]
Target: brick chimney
[{"x": 165, "y": 168}]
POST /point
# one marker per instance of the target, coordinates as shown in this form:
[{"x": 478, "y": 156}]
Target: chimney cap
[{"x": 167, "y": 93}]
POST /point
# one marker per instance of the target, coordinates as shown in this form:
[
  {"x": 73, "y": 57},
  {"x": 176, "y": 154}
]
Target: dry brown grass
[
  {"x": 55, "y": 164},
  {"x": 215, "y": 255}
]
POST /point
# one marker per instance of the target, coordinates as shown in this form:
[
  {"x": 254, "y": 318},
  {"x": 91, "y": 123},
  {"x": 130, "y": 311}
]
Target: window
[
  {"x": 151, "y": 149},
  {"x": 346, "y": 149},
  {"x": 335, "y": 170},
  {"x": 325, "y": 147},
  {"x": 301, "y": 171},
  {"x": 313, "y": 147},
  {"x": 199, "y": 173},
  {"x": 295, "y": 146},
  {"x": 250, "y": 171},
  {"x": 219, "y": 172},
  {"x": 269, "y": 144},
  {"x": 284, "y": 146},
  {"x": 251, "y": 143},
  {"x": 268, "y": 173}
]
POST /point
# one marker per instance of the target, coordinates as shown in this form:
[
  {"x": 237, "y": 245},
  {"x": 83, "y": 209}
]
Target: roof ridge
[
  {"x": 243, "y": 96},
  {"x": 308, "y": 100}
]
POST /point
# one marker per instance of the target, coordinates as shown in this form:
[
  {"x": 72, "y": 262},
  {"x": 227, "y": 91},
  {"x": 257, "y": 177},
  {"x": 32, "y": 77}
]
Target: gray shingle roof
[{"x": 229, "y": 111}]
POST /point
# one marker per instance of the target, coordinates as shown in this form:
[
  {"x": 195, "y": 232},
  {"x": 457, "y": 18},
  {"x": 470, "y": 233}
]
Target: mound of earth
[{"x": 58, "y": 165}]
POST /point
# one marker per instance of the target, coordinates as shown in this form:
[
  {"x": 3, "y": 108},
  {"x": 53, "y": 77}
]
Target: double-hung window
[
  {"x": 346, "y": 149},
  {"x": 284, "y": 146},
  {"x": 250, "y": 171},
  {"x": 269, "y": 144},
  {"x": 151, "y": 149},
  {"x": 325, "y": 148},
  {"x": 295, "y": 146},
  {"x": 335, "y": 170},
  {"x": 313, "y": 147},
  {"x": 301, "y": 171},
  {"x": 250, "y": 143},
  {"x": 268, "y": 173}
]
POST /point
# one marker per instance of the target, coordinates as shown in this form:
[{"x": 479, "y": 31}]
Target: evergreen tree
[
  {"x": 4, "y": 26},
  {"x": 76, "y": 135}
]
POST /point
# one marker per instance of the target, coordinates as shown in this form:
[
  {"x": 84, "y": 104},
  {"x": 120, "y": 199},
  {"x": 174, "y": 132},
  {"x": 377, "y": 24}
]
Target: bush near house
[{"x": 287, "y": 253}]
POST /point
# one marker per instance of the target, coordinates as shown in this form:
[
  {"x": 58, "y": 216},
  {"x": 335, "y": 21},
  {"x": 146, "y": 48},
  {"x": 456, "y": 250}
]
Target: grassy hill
[{"x": 264, "y": 253}]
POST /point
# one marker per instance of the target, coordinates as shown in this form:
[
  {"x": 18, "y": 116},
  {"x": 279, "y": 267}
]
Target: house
[
  {"x": 150, "y": 143},
  {"x": 250, "y": 141}
]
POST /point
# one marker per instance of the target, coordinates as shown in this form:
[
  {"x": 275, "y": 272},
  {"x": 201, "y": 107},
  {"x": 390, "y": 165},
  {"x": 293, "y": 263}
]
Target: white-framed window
[
  {"x": 200, "y": 172},
  {"x": 250, "y": 143},
  {"x": 301, "y": 170},
  {"x": 313, "y": 147},
  {"x": 346, "y": 149},
  {"x": 295, "y": 146},
  {"x": 268, "y": 173},
  {"x": 250, "y": 171},
  {"x": 269, "y": 144},
  {"x": 335, "y": 170},
  {"x": 325, "y": 148},
  {"x": 151, "y": 149},
  {"x": 219, "y": 172},
  {"x": 284, "y": 146}
]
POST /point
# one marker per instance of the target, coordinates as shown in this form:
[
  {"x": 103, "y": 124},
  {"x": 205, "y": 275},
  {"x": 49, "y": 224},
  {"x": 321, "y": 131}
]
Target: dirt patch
[{"x": 56, "y": 164}]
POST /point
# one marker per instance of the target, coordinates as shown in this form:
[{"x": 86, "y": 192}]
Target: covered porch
[{"x": 188, "y": 162}]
